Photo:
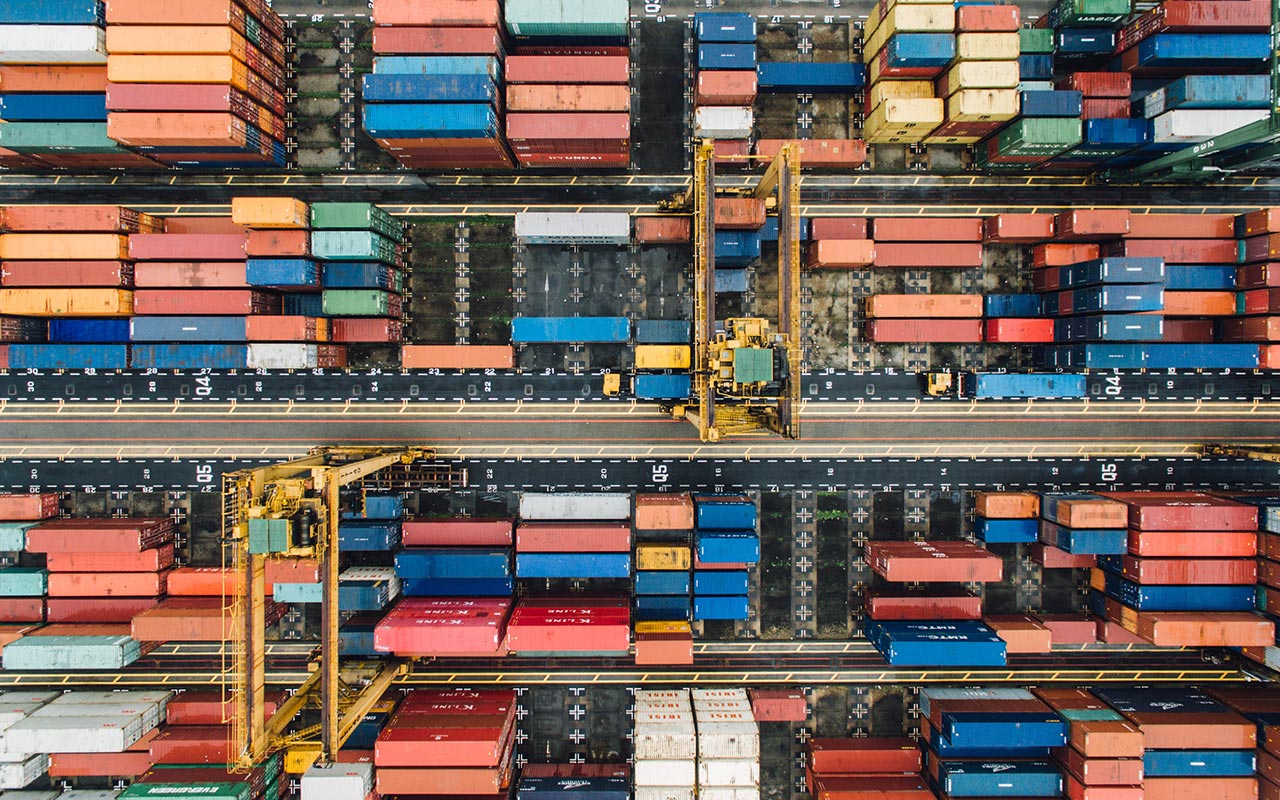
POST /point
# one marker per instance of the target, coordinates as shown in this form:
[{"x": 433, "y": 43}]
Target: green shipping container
[
  {"x": 23, "y": 582},
  {"x": 268, "y": 536},
  {"x": 1070, "y": 13},
  {"x": 55, "y": 137},
  {"x": 1039, "y": 136},
  {"x": 205, "y": 791},
  {"x": 356, "y": 303},
  {"x": 752, "y": 365},
  {"x": 355, "y": 217},
  {"x": 571, "y": 18},
  {"x": 13, "y": 535},
  {"x": 1035, "y": 40},
  {"x": 71, "y": 652},
  {"x": 352, "y": 246}
]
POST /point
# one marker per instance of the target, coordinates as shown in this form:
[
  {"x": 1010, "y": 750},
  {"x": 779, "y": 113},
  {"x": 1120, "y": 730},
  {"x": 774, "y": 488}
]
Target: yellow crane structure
[
  {"x": 291, "y": 511},
  {"x": 745, "y": 378}
]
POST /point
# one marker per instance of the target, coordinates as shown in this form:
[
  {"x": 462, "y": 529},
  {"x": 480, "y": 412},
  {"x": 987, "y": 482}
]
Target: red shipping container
[
  {"x": 1269, "y": 546},
  {"x": 21, "y": 609},
  {"x": 450, "y": 782},
  {"x": 151, "y": 560},
  {"x": 1187, "y": 330},
  {"x": 739, "y": 213},
  {"x": 1051, "y": 557},
  {"x": 837, "y": 228},
  {"x": 192, "y": 744},
  {"x": 995, "y": 19},
  {"x": 1181, "y": 226},
  {"x": 1170, "y": 571},
  {"x": 1186, "y": 511},
  {"x": 104, "y": 535},
  {"x": 189, "y": 619},
  {"x": 1206, "y": 629},
  {"x": 914, "y": 255},
  {"x": 66, "y": 273},
  {"x": 1113, "y": 633},
  {"x": 433, "y": 746},
  {"x": 1176, "y": 251},
  {"x": 1099, "y": 84},
  {"x": 1251, "y": 329},
  {"x": 374, "y": 329},
  {"x": 277, "y": 242},
  {"x": 1075, "y": 790},
  {"x": 1017, "y": 228},
  {"x": 818, "y": 153},
  {"x": 1060, "y": 699},
  {"x": 924, "y": 330},
  {"x": 128, "y": 764},
  {"x": 470, "y": 13},
  {"x": 550, "y": 133},
  {"x": 405, "y": 40},
  {"x": 663, "y": 230},
  {"x": 933, "y": 562},
  {"x": 898, "y": 603},
  {"x": 431, "y": 626},
  {"x": 28, "y": 507},
  {"x": 457, "y": 532},
  {"x": 727, "y": 152},
  {"x": 864, "y": 756},
  {"x": 1260, "y": 248},
  {"x": 1058, "y": 255},
  {"x": 1192, "y": 544},
  {"x": 191, "y": 274},
  {"x": 870, "y": 787},
  {"x": 1100, "y": 771},
  {"x": 98, "y": 608},
  {"x": 187, "y": 246},
  {"x": 1067, "y": 629},
  {"x": 779, "y": 705},
  {"x": 1092, "y": 224},
  {"x": 1106, "y": 739},
  {"x": 106, "y": 584},
  {"x": 571, "y": 159},
  {"x": 421, "y": 701},
  {"x": 81, "y": 219},
  {"x": 1262, "y": 301},
  {"x": 267, "y": 328},
  {"x": 199, "y": 707},
  {"x": 1268, "y": 356},
  {"x": 1269, "y": 573},
  {"x": 1009, "y": 329},
  {"x": 572, "y": 537},
  {"x": 567, "y": 69},
  {"x": 926, "y": 229},
  {"x": 725, "y": 88},
  {"x": 1200, "y": 788},
  {"x": 1104, "y": 108},
  {"x": 200, "y": 302}
]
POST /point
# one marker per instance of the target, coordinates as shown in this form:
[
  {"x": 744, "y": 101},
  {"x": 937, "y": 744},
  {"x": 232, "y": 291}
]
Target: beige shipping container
[
  {"x": 177, "y": 69},
  {"x": 66, "y": 302},
  {"x": 890, "y": 90},
  {"x": 903, "y": 114},
  {"x": 664, "y": 512},
  {"x": 979, "y": 75},
  {"x": 983, "y": 105},
  {"x": 931, "y": 139},
  {"x": 64, "y": 246},
  {"x": 212, "y": 39},
  {"x": 662, "y": 557},
  {"x": 270, "y": 212},
  {"x": 988, "y": 47},
  {"x": 931, "y": 18}
]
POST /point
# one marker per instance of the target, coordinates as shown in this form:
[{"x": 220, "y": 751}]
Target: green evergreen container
[
  {"x": 54, "y": 137},
  {"x": 352, "y": 246},
  {"x": 205, "y": 791},
  {"x": 1039, "y": 136},
  {"x": 357, "y": 303},
  {"x": 23, "y": 582},
  {"x": 568, "y": 18},
  {"x": 1075, "y": 13},
  {"x": 355, "y": 217},
  {"x": 13, "y": 535},
  {"x": 1035, "y": 40}
]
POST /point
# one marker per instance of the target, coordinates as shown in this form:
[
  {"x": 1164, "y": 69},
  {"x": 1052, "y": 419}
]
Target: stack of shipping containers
[
  {"x": 664, "y": 746},
  {"x": 906, "y": 47},
  {"x": 725, "y": 82},
  {"x": 978, "y": 99},
  {"x": 1104, "y": 750},
  {"x": 362, "y": 258},
  {"x": 727, "y": 542},
  {"x": 663, "y": 524},
  {"x": 434, "y": 99},
  {"x": 728, "y": 744},
  {"x": 569, "y": 541},
  {"x": 198, "y": 84},
  {"x": 740, "y": 219},
  {"x": 849, "y": 767}
]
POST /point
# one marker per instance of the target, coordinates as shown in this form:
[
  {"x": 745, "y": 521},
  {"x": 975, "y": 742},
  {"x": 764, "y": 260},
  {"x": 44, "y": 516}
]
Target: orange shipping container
[
  {"x": 1021, "y": 633},
  {"x": 565, "y": 97},
  {"x": 945, "y": 306},
  {"x": 926, "y": 229},
  {"x": 177, "y": 69},
  {"x": 1199, "y": 304},
  {"x": 1017, "y": 228},
  {"x": 726, "y": 88},
  {"x": 922, "y": 255},
  {"x": 819, "y": 153},
  {"x": 1098, "y": 223},
  {"x": 663, "y": 649},
  {"x": 177, "y": 129},
  {"x": 106, "y": 584},
  {"x": 192, "y": 12},
  {"x": 1057, "y": 255},
  {"x": 663, "y": 230},
  {"x": 1200, "y": 788},
  {"x": 739, "y": 213},
  {"x": 269, "y": 328},
  {"x": 87, "y": 219},
  {"x": 449, "y": 356},
  {"x": 664, "y": 512},
  {"x": 1090, "y": 513},
  {"x": 458, "y": 13},
  {"x": 181, "y": 39},
  {"x": 26, "y": 507},
  {"x": 846, "y": 253},
  {"x": 276, "y": 243},
  {"x": 1106, "y": 738},
  {"x": 66, "y": 302},
  {"x": 64, "y": 246},
  {"x": 1007, "y": 505},
  {"x": 53, "y": 78},
  {"x": 1202, "y": 629},
  {"x": 1269, "y": 356},
  {"x": 1181, "y": 226},
  {"x": 269, "y": 212},
  {"x": 924, "y": 330}
]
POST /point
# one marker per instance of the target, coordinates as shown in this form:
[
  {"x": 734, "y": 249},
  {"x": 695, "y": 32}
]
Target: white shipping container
[
  {"x": 1202, "y": 124},
  {"x": 653, "y": 717},
  {"x": 9, "y": 698},
  {"x": 73, "y": 734},
  {"x": 11, "y": 713},
  {"x": 161, "y": 696},
  {"x": 729, "y": 793},
  {"x": 53, "y": 44},
  {"x": 291, "y": 355},
  {"x": 662, "y": 694},
  {"x": 723, "y": 122},
  {"x": 660, "y": 706},
  {"x": 149, "y": 712},
  {"x": 665, "y": 772},
  {"x": 676, "y": 742},
  {"x": 719, "y": 694},
  {"x": 728, "y": 740},
  {"x": 89, "y": 794},
  {"x": 33, "y": 794},
  {"x": 387, "y": 574},
  {"x": 337, "y": 782},
  {"x": 664, "y": 793},
  {"x": 1036, "y": 86},
  {"x": 564, "y": 227},
  {"x": 1153, "y": 104},
  {"x": 576, "y": 506},
  {"x": 728, "y": 772},
  {"x": 22, "y": 773},
  {"x": 734, "y": 706}
]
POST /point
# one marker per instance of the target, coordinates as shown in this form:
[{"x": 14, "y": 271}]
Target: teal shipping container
[
  {"x": 23, "y": 582},
  {"x": 352, "y": 246},
  {"x": 71, "y": 652},
  {"x": 13, "y": 535},
  {"x": 568, "y": 18},
  {"x": 355, "y": 217}
]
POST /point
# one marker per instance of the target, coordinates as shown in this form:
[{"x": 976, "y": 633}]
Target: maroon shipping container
[
  {"x": 1251, "y": 329},
  {"x": 406, "y": 40},
  {"x": 926, "y": 229},
  {"x": 197, "y": 707},
  {"x": 187, "y": 246},
  {"x": 66, "y": 273},
  {"x": 1188, "y": 330},
  {"x": 571, "y": 159},
  {"x": 99, "y": 535},
  {"x": 1186, "y": 511},
  {"x": 1046, "y": 279},
  {"x": 372, "y": 329},
  {"x": 567, "y": 69},
  {"x": 151, "y": 560},
  {"x": 1051, "y": 557},
  {"x": 572, "y": 537},
  {"x": 27, "y": 507},
  {"x": 1017, "y": 228},
  {"x": 192, "y": 744},
  {"x": 21, "y": 609},
  {"x": 190, "y": 274},
  {"x": 201, "y": 302},
  {"x": 1186, "y": 571},
  {"x": 866, "y": 755},
  {"x": 457, "y": 532},
  {"x": 1262, "y": 301},
  {"x": 663, "y": 230},
  {"x": 1061, "y": 699},
  {"x": 897, "y": 603},
  {"x": 1099, "y": 84},
  {"x": 1258, "y": 249},
  {"x": 837, "y": 228},
  {"x": 913, "y": 255},
  {"x": 924, "y": 330},
  {"x": 933, "y": 562},
  {"x": 1107, "y": 223},
  {"x": 98, "y": 609},
  {"x": 1104, "y": 108},
  {"x": 1181, "y": 226},
  {"x": 1175, "y": 251},
  {"x": 107, "y": 584}
]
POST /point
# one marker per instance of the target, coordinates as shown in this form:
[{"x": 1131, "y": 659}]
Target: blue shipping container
[
  {"x": 726, "y": 56},
  {"x": 728, "y": 547},
  {"x": 1011, "y": 305},
  {"x": 722, "y": 27},
  {"x": 364, "y": 595},
  {"x": 1007, "y": 531},
  {"x": 187, "y": 329},
  {"x": 1083, "y": 43},
  {"x": 429, "y": 89},
  {"x": 1114, "y": 136},
  {"x": 1000, "y": 778},
  {"x": 53, "y": 107},
  {"x": 1085, "y": 541},
  {"x": 1146, "y": 699},
  {"x": 379, "y": 506},
  {"x": 578, "y": 788},
  {"x": 458, "y": 587},
  {"x": 1178, "y": 598},
  {"x": 719, "y": 582},
  {"x": 453, "y": 562},
  {"x": 438, "y": 65},
  {"x": 51, "y": 12},
  {"x": 814, "y": 77},
  {"x": 663, "y": 387},
  {"x": 960, "y": 643},
  {"x": 302, "y": 305},
  {"x": 1202, "y": 356},
  {"x": 1199, "y": 277},
  {"x": 1242, "y": 52},
  {"x": 1218, "y": 91},
  {"x": 355, "y": 275},
  {"x": 769, "y": 231},
  {"x": 368, "y": 535},
  {"x": 284, "y": 273},
  {"x": 1099, "y": 356},
  {"x": 68, "y": 356},
  {"x": 732, "y": 281},
  {"x": 737, "y": 248},
  {"x": 666, "y": 607},
  {"x": 666, "y": 582},
  {"x": 535, "y": 330},
  {"x": 430, "y": 121},
  {"x": 724, "y": 512},
  {"x": 78, "y": 331},
  {"x": 1035, "y": 67},
  {"x": 1198, "y": 763},
  {"x": 662, "y": 331},
  {"x": 1110, "y": 328},
  {"x": 188, "y": 356},
  {"x": 1121, "y": 297},
  {"x": 731, "y": 607},
  {"x": 1011, "y": 384},
  {"x": 920, "y": 50},
  {"x": 998, "y": 730},
  {"x": 573, "y": 565},
  {"x": 1129, "y": 269}
]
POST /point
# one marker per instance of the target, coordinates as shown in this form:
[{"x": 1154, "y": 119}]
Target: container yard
[{"x": 639, "y": 400}]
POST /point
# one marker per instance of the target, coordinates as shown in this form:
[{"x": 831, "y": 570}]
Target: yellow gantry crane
[
  {"x": 747, "y": 377},
  {"x": 291, "y": 511}
]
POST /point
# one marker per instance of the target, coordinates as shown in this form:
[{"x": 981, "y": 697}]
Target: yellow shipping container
[
  {"x": 178, "y": 69},
  {"x": 983, "y": 105},
  {"x": 879, "y": 13},
  {"x": 662, "y": 557},
  {"x": 662, "y": 626},
  {"x": 66, "y": 302},
  {"x": 988, "y": 47},
  {"x": 176, "y": 39},
  {"x": 980, "y": 75},
  {"x": 662, "y": 356},
  {"x": 932, "y": 18},
  {"x": 896, "y": 136},
  {"x": 952, "y": 139},
  {"x": 906, "y": 114},
  {"x": 64, "y": 246},
  {"x": 907, "y": 90},
  {"x": 269, "y": 212}
]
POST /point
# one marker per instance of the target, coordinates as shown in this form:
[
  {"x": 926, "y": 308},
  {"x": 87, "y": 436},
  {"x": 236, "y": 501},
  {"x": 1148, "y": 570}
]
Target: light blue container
[
  {"x": 298, "y": 593},
  {"x": 564, "y": 330},
  {"x": 438, "y": 65},
  {"x": 51, "y": 12},
  {"x": 23, "y": 582},
  {"x": 429, "y": 89},
  {"x": 71, "y": 653},
  {"x": 68, "y": 356},
  {"x": 13, "y": 535},
  {"x": 573, "y": 565},
  {"x": 187, "y": 329},
  {"x": 430, "y": 121}
]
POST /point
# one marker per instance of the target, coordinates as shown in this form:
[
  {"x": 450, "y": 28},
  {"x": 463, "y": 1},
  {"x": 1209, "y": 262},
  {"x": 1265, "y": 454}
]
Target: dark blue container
[
  {"x": 1085, "y": 541},
  {"x": 1118, "y": 297},
  {"x": 1077, "y": 44},
  {"x": 365, "y": 734},
  {"x": 722, "y": 27},
  {"x": 920, "y": 50},
  {"x": 1198, "y": 277},
  {"x": 1049, "y": 304},
  {"x": 728, "y": 608},
  {"x": 379, "y": 506},
  {"x": 430, "y": 121},
  {"x": 1198, "y": 763},
  {"x": 962, "y": 643},
  {"x": 662, "y": 387},
  {"x": 1098, "y": 356},
  {"x": 720, "y": 582},
  {"x": 1113, "y": 136},
  {"x": 724, "y": 512},
  {"x": 665, "y": 582},
  {"x": 1001, "y": 730},
  {"x": 355, "y": 275},
  {"x": 190, "y": 356},
  {"x": 593, "y": 788},
  {"x": 769, "y": 231},
  {"x": 1035, "y": 67},
  {"x": 662, "y": 607},
  {"x": 814, "y": 77},
  {"x": 728, "y": 547},
  {"x": 458, "y": 587},
  {"x": 68, "y": 356},
  {"x": 453, "y": 562},
  {"x": 53, "y": 107},
  {"x": 573, "y": 565},
  {"x": 1112, "y": 270},
  {"x": 988, "y": 385},
  {"x": 1000, "y": 779},
  {"x": 726, "y": 56},
  {"x": 941, "y": 746},
  {"x": 1119, "y": 328},
  {"x": 368, "y": 535},
  {"x": 296, "y": 304},
  {"x": 564, "y": 330},
  {"x": 1011, "y": 305},
  {"x": 732, "y": 281},
  {"x": 429, "y": 89},
  {"x": 187, "y": 329},
  {"x": 77, "y": 331},
  {"x": 1202, "y": 356},
  {"x": 355, "y": 637},
  {"x": 662, "y": 331},
  {"x": 52, "y": 12},
  {"x": 1178, "y": 598},
  {"x": 369, "y": 595},
  {"x": 1243, "y": 52},
  {"x": 1007, "y": 531},
  {"x": 283, "y": 273},
  {"x": 1162, "y": 700},
  {"x": 737, "y": 248}
]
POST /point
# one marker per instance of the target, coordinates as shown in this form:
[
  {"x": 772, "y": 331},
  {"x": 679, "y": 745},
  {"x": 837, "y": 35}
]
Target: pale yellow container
[
  {"x": 892, "y": 136},
  {"x": 983, "y": 105},
  {"x": 907, "y": 90},
  {"x": 879, "y": 12},
  {"x": 662, "y": 626},
  {"x": 662, "y": 356},
  {"x": 269, "y": 212},
  {"x": 952, "y": 139},
  {"x": 213, "y": 39},
  {"x": 988, "y": 47},
  {"x": 66, "y": 302},
  {"x": 177, "y": 69},
  {"x": 906, "y": 114},
  {"x": 932, "y": 18},
  {"x": 64, "y": 246},
  {"x": 662, "y": 557},
  {"x": 980, "y": 75}
]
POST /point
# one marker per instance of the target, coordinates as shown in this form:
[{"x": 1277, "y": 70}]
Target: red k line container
[
  {"x": 663, "y": 230},
  {"x": 570, "y": 537},
  {"x": 838, "y": 228},
  {"x": 911, "y": 255},
  {"x": 28, "y": 507},
  {"x": 442, "y": 41},
  {"x": 567, "y": 69},
  {"x": 819, "y": 153},
  {"x": 926, "y": 229},
  {"x": 932, "y": 562},
  {"x": 1186, "y": 511},
  {"x": 1016, "y": 228},
  {"x": 924, "y": 330},
  {"x": 869, "y": 755},
  {"x": 99, "y": 535},
  {"x": 1026, "y": 331},
  {"x": 432, "y": 626},
  {"x": 460, "y": 531}
]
